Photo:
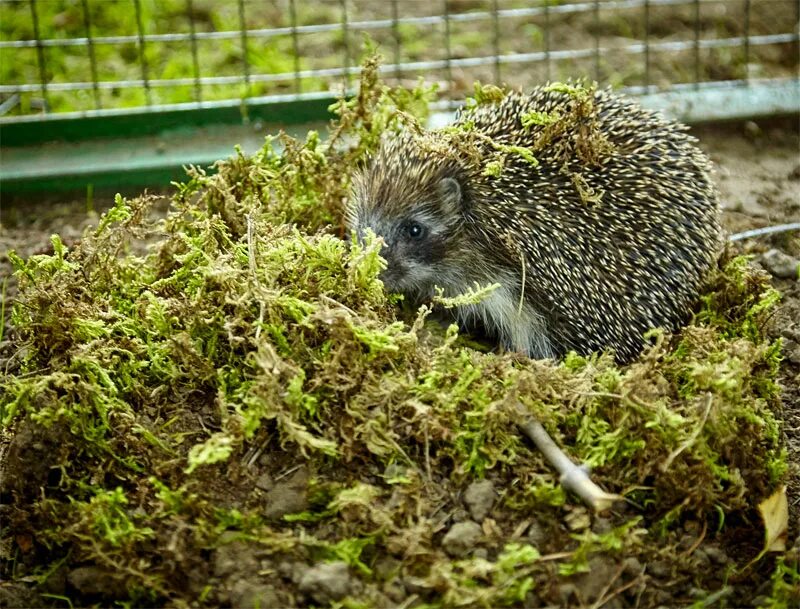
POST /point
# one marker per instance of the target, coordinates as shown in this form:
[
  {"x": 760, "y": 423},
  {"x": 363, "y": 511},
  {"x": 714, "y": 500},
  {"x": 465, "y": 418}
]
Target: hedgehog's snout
[
  {"x": 391, "y": 276},
  {"x": 394, "y": 273}
]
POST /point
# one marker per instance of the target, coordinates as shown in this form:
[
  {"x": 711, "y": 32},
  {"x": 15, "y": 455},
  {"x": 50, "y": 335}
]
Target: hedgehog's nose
[
  {"x": 388, "y": 255},
  {"x": 393, "y": 271}
]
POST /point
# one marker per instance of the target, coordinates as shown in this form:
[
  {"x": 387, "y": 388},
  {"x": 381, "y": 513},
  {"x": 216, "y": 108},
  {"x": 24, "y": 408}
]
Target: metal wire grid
[{"x": 641, "y": 51}]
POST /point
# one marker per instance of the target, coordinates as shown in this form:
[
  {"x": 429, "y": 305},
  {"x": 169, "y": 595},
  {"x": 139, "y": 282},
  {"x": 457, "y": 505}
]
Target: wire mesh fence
[{"x": 92, "y": 56}]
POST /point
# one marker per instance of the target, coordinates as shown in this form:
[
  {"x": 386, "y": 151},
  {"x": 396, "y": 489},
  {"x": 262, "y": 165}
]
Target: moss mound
[{"x": 216, "y": 407}]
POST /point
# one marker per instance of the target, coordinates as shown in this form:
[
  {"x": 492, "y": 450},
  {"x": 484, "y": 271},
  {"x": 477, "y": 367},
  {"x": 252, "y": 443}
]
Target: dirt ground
[{"x": 758, "y": 173}]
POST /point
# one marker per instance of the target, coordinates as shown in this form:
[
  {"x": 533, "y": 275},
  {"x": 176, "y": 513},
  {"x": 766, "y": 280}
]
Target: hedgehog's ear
[{"x": 450, "y": 191}]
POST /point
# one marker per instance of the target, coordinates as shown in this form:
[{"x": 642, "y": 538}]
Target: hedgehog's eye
[{"x": 415, "y": 231}]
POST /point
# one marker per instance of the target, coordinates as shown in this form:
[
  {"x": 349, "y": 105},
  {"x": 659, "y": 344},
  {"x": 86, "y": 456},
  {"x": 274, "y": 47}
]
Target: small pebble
[
  {"x": 566, "y": 593},
  {"x": 394, "y": 590},
  {"x": 326, "y": 582},
  {"x": 717, "y": 555},
  {"x": 632, "y": 566},
  {"x": 659, "y": 568},
  {"x": 461, "y": 538},
  {"x": 791, "y": 351},
  {"x": 264, "y": 482},
  {"x": 286, "y": 569},
  {"x": 394, "y": 471},
  {"x": 94, "y": 581},
  {"x": 287, "y": 496},
  {"x": 233, "y": 557},
  {"x": 249, "y": 594},
  {"x": 578, "y": 519},
  {"x": 590, "y": 585},
  {"x": 752, "y": 130},
  {"x": 536, "y": 535},
  {"x": 387, "y": 567},
  {"x": 479, "y": 498},
  {"x": 601, "y": 525},
  {"x": 781, "y": 265}
]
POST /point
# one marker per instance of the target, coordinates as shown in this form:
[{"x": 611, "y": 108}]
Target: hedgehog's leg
[{"x": 518, "y": 326}]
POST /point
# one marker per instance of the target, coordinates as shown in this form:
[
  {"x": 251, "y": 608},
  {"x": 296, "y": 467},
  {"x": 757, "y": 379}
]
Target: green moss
[
  {"x": 485, "y": 94},
  {"x": 540, "y": 119},
  {"x": 785, "y": 585},
  {"x": 171, "y": 363}
]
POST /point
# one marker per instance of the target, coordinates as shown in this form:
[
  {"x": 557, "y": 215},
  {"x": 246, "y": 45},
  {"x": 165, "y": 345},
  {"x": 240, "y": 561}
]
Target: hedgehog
[{"x": 597, "y": 218}]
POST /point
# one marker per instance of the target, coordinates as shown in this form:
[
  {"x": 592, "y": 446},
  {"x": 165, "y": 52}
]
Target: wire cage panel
[{"x": 91, "y": 56}]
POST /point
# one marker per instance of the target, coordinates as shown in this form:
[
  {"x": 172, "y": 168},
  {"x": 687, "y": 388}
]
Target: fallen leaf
[{"x": 775, "y": 512}]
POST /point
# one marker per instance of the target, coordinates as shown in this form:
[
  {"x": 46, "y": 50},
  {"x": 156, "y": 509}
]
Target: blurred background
[
  {"x": 115, "y": 93},
  {"x": 78, "y": 55}
]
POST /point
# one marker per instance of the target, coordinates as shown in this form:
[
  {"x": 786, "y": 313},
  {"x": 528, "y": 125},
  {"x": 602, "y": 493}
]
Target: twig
[
  {"x": 574, "y": 478},
  {"x": 767, "y": 230},
  {"x": 691, "y": 439},
  {"x": 288, "y": 472},
  {"x": 601, "y": 598},
  {"x": 336, "y": 303},
  {"x": 616, "y": 592},
  {"x": 428, "y": 455},
  {"x": 409, "y": 601},
  {"x": 555, "y": 556},
  {"x": 522, "y": 288},
  {"x": 700, "y": 539},
  {"x": 255, "y": 454},
  {"x": 251, "y": 257}
]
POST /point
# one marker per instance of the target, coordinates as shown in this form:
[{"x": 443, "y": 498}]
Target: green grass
[
  {"x": 164, "y": 60},
  {"x": 171, "y": 60}
]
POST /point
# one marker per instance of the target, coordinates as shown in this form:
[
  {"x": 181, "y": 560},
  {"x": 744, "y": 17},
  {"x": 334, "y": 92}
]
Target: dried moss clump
[{"x": 227, "y": 395}]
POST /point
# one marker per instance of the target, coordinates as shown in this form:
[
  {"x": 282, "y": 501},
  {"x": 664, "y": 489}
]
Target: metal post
[
  {"x": 448, "y": 53},
  {"x": 747, "y": 41},
  {"x": 87, "y": 23},
  {"x": 647, "y": 45},
  {"x": 346, "y": 42},
  {"x": 198, "y": 89},
  {"x": 142, "y": 56},
  {"x": 295, "y": 46},
  {"x": 597, "y": 40},
  {"x": 397, "y": 43},
  {"x": 496, "y": 41},
  {"x": 40, "y": 57},
  {"x": 696, "y": 44},
  {"x": 243, "y": 38},
  {"x": 548, "y": 70}
]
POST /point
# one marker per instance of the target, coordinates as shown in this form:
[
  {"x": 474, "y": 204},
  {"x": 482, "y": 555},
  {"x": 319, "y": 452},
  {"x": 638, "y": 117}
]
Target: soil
[{"x": 758, "y": 173}]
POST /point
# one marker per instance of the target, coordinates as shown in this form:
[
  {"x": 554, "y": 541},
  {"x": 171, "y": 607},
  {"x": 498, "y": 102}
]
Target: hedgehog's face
[{"x": 418, "y": 224}]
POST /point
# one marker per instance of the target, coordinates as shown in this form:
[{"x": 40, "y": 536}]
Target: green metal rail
[
  {"x": 115, "y": 149},
  {"x": 141, "y": 148}
]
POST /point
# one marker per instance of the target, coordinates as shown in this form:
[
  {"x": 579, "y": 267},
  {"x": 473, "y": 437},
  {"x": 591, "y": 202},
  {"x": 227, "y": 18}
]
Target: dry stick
[
  {"x": 767, "y": 230},
  {"x": 692, "y": 438},
  {"x": 617, "y": 592},
  {"x": 574, "y": 478},
  {"x": 601, "y": 598},
  {"x": 251, "y": 255},
  {"x": 699, "y": 540}
]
